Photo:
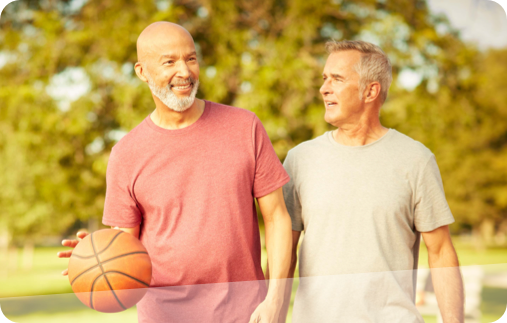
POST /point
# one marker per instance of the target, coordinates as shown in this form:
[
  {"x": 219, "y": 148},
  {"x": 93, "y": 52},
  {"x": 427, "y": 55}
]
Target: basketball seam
[
  {"x": 124, "y": 274},
  {"x": 107, "y": 280},
  {"x": 108, "y": 260},
  {"x": 110, "y": 243},
  {"x": 114, "y": 272}
]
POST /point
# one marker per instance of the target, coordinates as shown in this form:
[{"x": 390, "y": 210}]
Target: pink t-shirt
[{"x": 193, "y": 191}]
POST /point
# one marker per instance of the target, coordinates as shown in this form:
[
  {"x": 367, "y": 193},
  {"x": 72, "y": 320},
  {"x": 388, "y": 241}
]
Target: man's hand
[
  {"x": 266, "y": 312},
  {"x": 81, "y": 235},
  {"x": 70, "y": 243}
]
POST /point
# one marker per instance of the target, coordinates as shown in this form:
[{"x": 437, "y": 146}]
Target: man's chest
[
  {"x": 179, "y": 174},
  {"x": 356, "y": 192}
]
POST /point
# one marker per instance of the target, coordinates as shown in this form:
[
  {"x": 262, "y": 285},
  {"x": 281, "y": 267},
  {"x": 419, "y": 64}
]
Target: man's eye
[{"x": 169, "y": 62}]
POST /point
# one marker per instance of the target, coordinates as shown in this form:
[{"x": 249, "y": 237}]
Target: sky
[{"x": 483, "y": 22}]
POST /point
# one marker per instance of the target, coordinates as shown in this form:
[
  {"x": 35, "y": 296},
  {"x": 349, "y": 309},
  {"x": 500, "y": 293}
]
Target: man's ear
[
  {"x": 139, "y": 68},
  {"x": 372, "y": 92}
]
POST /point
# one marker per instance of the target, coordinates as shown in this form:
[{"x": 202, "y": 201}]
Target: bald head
[
  {"x": 160, "y": 37},
  {"x": 168, "y": 62}
]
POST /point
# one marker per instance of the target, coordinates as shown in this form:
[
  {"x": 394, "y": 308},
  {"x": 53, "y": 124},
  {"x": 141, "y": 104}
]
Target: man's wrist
[{"x": 275, "y": 299}]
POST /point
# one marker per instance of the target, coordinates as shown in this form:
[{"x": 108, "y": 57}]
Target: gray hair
[{"x": 374, "y": 65}]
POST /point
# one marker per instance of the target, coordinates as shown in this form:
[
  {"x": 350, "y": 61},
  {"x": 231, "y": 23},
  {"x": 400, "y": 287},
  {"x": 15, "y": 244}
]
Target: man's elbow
[{"x": 444, "y": 256}]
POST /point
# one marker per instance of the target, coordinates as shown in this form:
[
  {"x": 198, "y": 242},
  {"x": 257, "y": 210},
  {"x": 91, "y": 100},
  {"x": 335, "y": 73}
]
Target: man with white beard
[
  {"x": 167, "y": 96},
  {"x": 184, "y": 182}
]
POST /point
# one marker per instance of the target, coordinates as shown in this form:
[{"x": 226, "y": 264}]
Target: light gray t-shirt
[{"x": 361, "y": 209}]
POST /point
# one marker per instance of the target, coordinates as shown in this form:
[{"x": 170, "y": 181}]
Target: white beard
[{"x": 167, "y": 96}]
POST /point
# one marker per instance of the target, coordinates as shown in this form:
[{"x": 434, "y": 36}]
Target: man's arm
[
  {"x": 278, "y": 243},
  {"x": 133, "y": 231},
  {"x": 81, "y": 235},
  {"x": 290, "y": 280},
  {"x": 445, "y": 273}
]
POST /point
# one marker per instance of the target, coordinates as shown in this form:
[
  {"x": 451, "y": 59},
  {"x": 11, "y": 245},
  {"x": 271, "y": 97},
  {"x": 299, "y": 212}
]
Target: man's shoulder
[
  {"x": 413, "y": 145},
  {"x": 406, "y": 145},
  {"x": 131, "y": 140},
  {"x": 230, "y": 112}
]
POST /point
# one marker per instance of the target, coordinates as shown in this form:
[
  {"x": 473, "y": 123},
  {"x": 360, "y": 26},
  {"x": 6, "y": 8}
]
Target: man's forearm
[
  {"x": 448, "y": 284},
  {"x": 288, "y": 292},
  {"x": 278, "y": 245}
]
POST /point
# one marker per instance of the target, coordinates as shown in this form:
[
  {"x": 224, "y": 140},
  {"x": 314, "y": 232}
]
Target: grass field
[{"x": 57, "y": 304}]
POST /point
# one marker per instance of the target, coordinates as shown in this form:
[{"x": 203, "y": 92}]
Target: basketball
[{"x": 110, "y": 270}]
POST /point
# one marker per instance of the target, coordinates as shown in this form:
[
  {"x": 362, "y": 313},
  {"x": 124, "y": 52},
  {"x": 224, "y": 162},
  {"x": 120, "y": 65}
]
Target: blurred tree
[
  {"x": 68, "y": 91},
  {"x": 465, "y": 125}
]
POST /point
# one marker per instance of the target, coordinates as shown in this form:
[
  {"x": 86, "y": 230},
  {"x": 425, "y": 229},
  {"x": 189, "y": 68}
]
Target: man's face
[
  {"x": 340, "y": 90},
  {"x": 173, "y": 72}
]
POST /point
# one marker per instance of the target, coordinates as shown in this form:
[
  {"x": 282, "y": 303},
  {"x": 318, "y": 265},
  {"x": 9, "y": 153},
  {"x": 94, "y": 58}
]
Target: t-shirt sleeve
[
  {"x": 431, "y": 208},
  {"x": 291, "y": 196},
  {"x": 269, "y": 172},
  {"x": 120, "y": 208}
]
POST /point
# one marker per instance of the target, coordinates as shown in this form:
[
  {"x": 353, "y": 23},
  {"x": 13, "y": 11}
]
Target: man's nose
[
  {"x": 183, "y": 70},
  {"x": 325, "y": 88}
]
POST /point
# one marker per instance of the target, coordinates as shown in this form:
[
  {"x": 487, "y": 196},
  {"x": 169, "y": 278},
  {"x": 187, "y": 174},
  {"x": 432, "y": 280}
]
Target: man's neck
[
  {"x": 169, "y": 119},
  {"x": 360, "y": 133}
]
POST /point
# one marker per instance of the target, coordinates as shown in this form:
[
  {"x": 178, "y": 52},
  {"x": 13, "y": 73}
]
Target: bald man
[{"x": 184, "y": 182}]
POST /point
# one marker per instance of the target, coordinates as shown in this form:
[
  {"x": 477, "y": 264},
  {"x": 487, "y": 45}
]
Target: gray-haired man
[{"x": 363, "y": 194}]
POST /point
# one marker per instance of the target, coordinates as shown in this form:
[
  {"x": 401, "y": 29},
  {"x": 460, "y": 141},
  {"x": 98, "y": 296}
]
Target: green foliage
[
  {"x": 464, "y": 123},
  {"x": 263, "y": 55}
]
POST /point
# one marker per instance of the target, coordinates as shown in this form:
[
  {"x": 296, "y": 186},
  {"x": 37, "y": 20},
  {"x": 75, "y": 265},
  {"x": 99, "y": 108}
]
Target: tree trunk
[
  {"x": 12, "y": 258},
  {"x": 487, "y": 230},
  {"x": 4, "y": 255},
  {"x": 501, "y": 234},
  {"x": 93, "y": 225},
  {"x": 28, "y": 255}
]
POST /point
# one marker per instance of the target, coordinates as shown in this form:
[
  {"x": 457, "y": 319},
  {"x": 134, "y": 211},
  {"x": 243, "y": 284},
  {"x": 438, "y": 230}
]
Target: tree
[{"x": 265, "y": 56}]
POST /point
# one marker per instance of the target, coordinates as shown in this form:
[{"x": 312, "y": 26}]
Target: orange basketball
[{"x": 110, "y": 270}]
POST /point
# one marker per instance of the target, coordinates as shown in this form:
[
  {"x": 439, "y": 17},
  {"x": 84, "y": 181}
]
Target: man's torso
[
  {"x": 193, "y": 191},
  {"x": 357, "y": 209}
]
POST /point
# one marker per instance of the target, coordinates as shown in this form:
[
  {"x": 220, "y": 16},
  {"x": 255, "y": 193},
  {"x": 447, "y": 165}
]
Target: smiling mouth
[
  {"x": 330, "y": 104},
  {"x": 182, "y": 87}
]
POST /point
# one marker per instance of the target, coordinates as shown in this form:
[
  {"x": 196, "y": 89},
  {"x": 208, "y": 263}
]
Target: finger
[
  {"x": 82, "y": 234},
  {"x": 65, "y": 272},
  {"x": 70, "y": 243},
  {"x": 64, "y": 254}
]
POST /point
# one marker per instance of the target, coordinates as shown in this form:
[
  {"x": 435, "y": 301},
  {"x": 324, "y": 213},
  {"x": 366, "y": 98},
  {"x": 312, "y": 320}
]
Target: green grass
[
  {"x": 45, "y": 278},
  {"x": 429, "y": 319},
  {"x": 494, "y": 303},
  {"x": 80, "y": 316}
]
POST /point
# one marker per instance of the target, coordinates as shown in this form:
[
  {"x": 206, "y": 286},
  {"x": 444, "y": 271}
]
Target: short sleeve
[
  {"x": 291, "y": 196},
  {"x": 269, "y": 172},
  {"x": 431, "y": 208},
  {"x": 120, "y": 208}
]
